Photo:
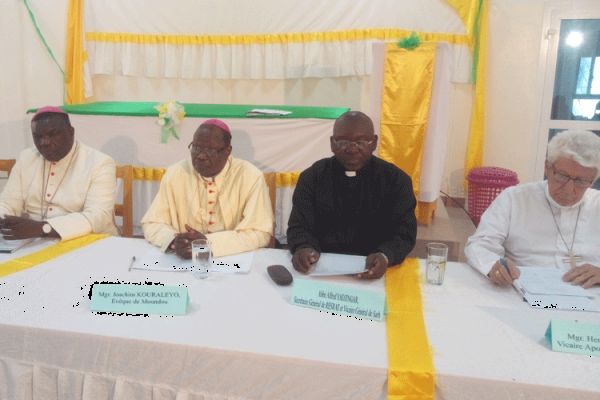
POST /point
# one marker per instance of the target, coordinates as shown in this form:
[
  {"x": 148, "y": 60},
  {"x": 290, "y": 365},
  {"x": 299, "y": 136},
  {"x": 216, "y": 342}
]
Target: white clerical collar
[
  {"x": 555, "y": 204},
  {"x": 350, "y": 174}
]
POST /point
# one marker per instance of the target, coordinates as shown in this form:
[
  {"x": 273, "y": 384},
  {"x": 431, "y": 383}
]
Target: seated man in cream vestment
[
  {"x": 212, "y": 195},
  {"x": 61, "y": 188}
]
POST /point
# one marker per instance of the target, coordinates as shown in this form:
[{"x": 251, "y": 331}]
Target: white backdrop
[
  {"x": 325, "y": 42},
  {"x": 516, "y": 52}
]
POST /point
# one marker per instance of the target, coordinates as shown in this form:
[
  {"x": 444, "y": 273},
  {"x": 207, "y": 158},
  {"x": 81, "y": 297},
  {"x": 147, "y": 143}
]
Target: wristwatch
[{"x": 46, "y": 229}]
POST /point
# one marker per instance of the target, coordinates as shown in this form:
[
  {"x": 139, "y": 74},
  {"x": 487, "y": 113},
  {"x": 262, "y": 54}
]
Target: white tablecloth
[
  {"x": 489, "y": 344},
  {"x": 241, "y": 339}
]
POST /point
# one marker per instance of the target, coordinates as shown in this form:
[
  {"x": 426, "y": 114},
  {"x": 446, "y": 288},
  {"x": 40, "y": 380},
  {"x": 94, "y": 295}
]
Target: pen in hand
[
  {"x": 131, "y": 263},
  {"x": 503, "y": 262},
  {"x": 515, "y": 283}
]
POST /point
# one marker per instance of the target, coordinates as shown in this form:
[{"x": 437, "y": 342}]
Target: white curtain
[{"x": 263, "y": 39}]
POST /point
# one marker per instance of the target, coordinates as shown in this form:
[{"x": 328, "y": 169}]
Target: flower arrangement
[{"x": 170, "y": 115}]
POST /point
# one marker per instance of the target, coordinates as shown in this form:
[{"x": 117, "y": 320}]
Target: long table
[
  {"x": 241, "y": 339},
  {"x": 128, "y": 132}
]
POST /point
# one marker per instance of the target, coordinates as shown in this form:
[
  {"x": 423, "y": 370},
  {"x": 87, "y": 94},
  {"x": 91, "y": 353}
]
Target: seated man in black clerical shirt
[{"x": 353, "y": 203}]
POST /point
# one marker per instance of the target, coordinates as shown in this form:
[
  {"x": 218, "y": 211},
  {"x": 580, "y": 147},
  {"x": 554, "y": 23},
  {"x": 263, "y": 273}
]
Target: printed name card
[
  {"x": 574, "y": 337},
  {"x": 139, "y": 299},
  {"x": 339, "y": 299}
]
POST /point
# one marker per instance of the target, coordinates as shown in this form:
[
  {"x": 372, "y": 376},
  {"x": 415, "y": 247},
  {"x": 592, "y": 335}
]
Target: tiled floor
[{"x": 450, "y": 225}]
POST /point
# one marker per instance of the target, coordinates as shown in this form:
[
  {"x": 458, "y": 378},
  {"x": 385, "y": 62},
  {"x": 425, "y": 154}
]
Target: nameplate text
[
  {"x": 574, "y": 337},
  {"x": 139, "y": 299},
  {"x": 339, "y": 299}
]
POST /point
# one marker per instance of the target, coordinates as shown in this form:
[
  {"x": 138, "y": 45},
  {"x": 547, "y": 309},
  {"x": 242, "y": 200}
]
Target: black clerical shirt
[{"x": 371, "y": 212}]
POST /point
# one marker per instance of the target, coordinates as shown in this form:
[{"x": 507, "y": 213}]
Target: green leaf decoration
[{"x": 411, "y": 42}]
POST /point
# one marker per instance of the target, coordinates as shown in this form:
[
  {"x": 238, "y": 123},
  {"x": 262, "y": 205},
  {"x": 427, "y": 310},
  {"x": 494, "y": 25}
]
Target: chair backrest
[
  {"x": 271, "y": 179},
  {"x": 7, "y": 165},
  {"x": 125, "y": 209}
]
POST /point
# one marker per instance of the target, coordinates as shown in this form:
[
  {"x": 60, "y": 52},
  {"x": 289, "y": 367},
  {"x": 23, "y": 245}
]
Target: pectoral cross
[{"x": 572, "y": 259}]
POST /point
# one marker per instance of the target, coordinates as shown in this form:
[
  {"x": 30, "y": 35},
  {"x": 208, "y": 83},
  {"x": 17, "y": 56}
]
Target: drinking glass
[
  {"x": 437, "y": 255},
  {"x": 201, "y": 258}
]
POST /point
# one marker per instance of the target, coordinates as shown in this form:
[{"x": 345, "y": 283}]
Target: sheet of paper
[
  {"x": 155, "y": 260},
  {"x": 236, "y": 263},
  {"x": 10, "y": 246},
  {"x": 338, "y": 264},
  {"x": 571, "y": 303},
  {"x": 543, "y": 287},
  {"x": 548, "y": 281},
  {"x": 266, "y": 111}
]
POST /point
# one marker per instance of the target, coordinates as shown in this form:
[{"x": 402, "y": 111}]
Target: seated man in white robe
[
  {"x": 553, "y": 223},
  {"x": 61, "y": 188},
  {"x": 211, "y": 195}
]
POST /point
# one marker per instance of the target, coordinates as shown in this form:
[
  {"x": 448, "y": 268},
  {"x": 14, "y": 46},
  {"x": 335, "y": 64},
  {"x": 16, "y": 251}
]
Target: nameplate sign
[
  {"x": 574, "y": 337},
  {"x": 339, "y": 299},
  {"x": 139, "y": 299}
]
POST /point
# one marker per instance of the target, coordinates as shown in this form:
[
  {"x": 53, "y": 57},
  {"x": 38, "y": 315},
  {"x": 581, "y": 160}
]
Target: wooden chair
[
  {"x": 271, "y": 179},
  {"x": 125, "y": 209},
  {"x": 7, "y": 165}
]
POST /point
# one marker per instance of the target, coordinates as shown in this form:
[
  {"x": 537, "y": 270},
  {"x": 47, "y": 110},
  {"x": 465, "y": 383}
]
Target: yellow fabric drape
[
  {"x": 467, "y": 11},
  {"x": 407, "y": 83},
  {"x": 277, "y": 38},
  {"x": 411, "y": 374},
  {"x": 75, "y": 55},
  {"x": 287, "y": 179},
  {"x": 425, "y": 211},
  {"x": 47, "y": 254},
  {"x": 474, "y": 154},
  {"x": 148, "y": 173},
  {"x": 474, "y": 14},
  {"x": 283, "y": 179}
]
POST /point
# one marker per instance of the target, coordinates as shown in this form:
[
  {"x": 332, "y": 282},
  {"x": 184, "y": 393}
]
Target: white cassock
[
  {"x": 519, "y": 225},
  {"x": 75, "y": 195}
]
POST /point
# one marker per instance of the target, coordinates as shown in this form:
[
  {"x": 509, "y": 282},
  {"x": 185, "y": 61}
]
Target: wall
[
  {"x": 513, "y": 81},
  {"x": 517, "y": 68},
  {"x": 30, "y": 79}
]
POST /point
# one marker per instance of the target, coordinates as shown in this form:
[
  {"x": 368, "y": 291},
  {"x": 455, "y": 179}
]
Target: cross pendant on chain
[{"x": 572, "y": 259}]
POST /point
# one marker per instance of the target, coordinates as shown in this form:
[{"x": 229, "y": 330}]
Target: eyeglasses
[
  {"x": 197, "y": 149},
  {"x": 343, "y": 144},
  {"x": 563, "y": 179}
]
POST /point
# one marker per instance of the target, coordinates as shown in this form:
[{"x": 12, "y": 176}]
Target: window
[{"x": 577, "y": 80}]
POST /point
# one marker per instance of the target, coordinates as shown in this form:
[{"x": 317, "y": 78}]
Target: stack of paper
[
  {"x": 255, "y": 112},
  {"x": 543, "y": 287},
  {"x": 155, "y": 260},
  {"x": 330, "y": 264}
]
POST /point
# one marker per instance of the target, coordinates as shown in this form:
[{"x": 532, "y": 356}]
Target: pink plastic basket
[{"x": 485, "y": 184}]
